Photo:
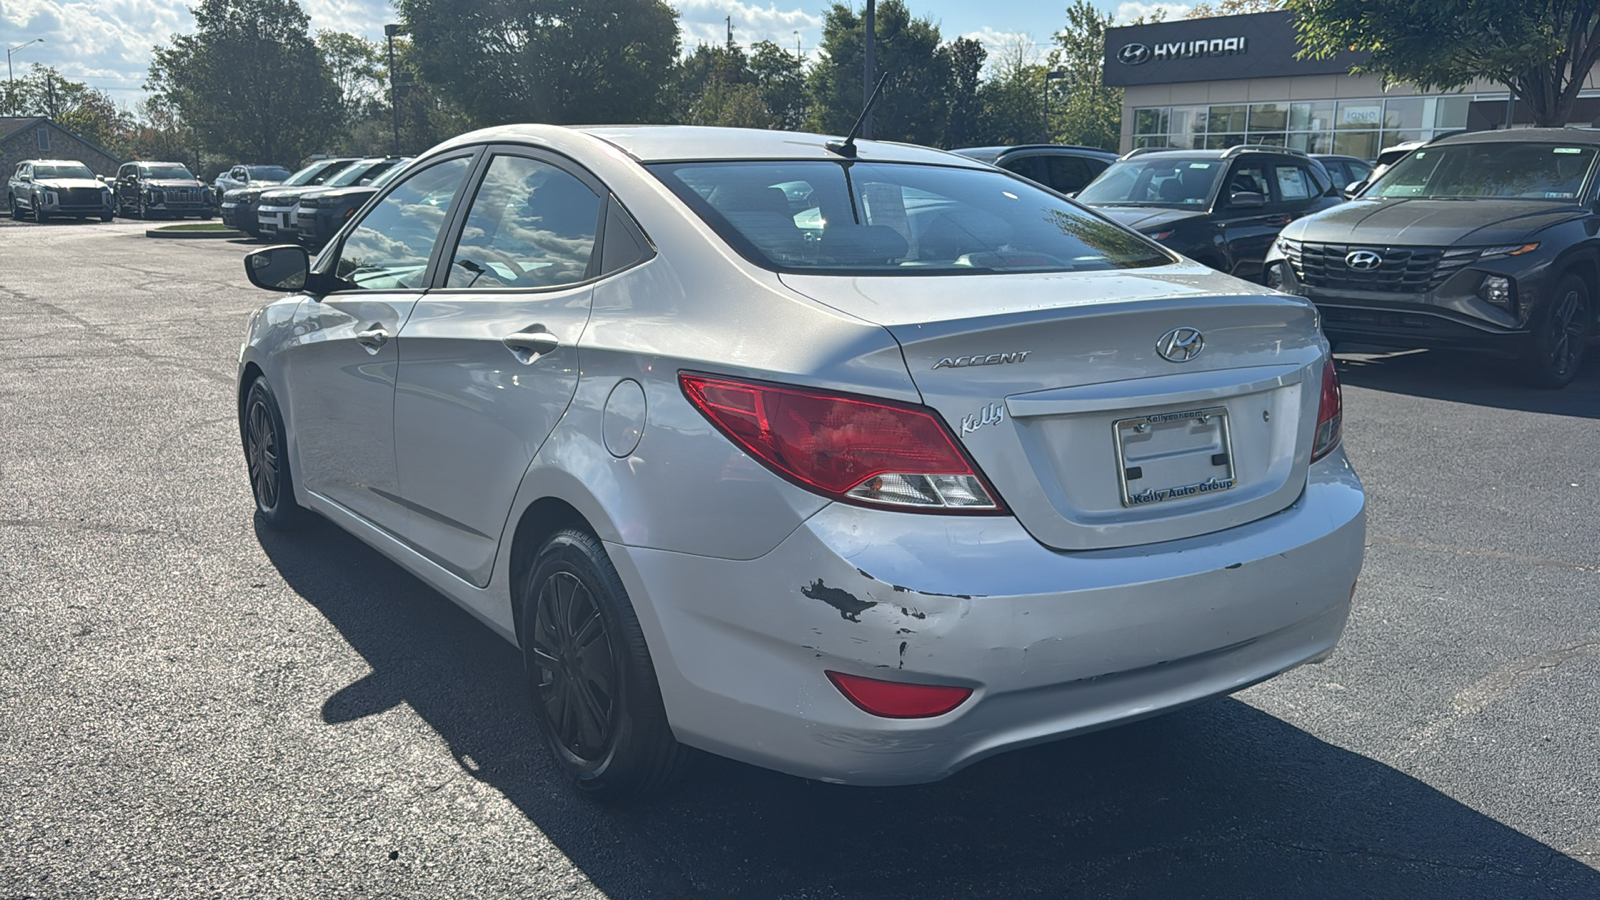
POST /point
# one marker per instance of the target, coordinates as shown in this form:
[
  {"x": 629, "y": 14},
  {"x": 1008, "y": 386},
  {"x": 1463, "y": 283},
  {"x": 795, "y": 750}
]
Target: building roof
[{"x": 10, "y": 126}]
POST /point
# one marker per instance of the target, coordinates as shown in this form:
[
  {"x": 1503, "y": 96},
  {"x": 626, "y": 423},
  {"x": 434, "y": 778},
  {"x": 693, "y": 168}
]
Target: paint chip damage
[{"x": 846, "y": 603}]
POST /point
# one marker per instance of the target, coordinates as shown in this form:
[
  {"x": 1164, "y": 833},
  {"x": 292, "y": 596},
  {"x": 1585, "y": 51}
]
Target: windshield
[
  {"x": 167, "y": 171},
  {"x": 78, "y": 171},
  {"x": 1530, "y": 171},
  {"x": 358, "y": 172},
  {"x": 1179, "y": 183},
  {"x": 878, "y": 218},
  {"x": 268, "y": 173},
  {"x": 317, "y": 172}
]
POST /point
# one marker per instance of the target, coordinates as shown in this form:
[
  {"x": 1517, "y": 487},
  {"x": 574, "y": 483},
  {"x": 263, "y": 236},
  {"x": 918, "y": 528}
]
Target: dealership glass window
[
  {"x": 1150, "y": 121},
  {"x": 1403, "y": 114},
  {"x": 1269, "y": 118},
  {"x": 1315, "y": 116},
  {"x": 1360, "y": 144},
  {"x": 1222, "y": 119},
  {"x": 1187, "y": 120},
  {"x": 1450, "y": 114}
]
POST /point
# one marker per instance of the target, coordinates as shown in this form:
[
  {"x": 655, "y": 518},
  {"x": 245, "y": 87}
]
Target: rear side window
[
  {"x": 1295, "y": 183},
  {"x": 886, "y": 218}
]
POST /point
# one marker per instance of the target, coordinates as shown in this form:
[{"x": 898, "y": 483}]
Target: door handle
[
  {"x": 373, "y": 338},
  {"x": 531, "y": 344}
]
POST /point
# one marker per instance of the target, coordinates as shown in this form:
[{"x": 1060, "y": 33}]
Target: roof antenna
[{"x": 847, "y": 147}]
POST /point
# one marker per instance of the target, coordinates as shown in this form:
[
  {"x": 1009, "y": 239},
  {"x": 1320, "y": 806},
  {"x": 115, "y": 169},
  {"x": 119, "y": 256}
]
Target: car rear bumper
[{"x": 1052, "y": 643}]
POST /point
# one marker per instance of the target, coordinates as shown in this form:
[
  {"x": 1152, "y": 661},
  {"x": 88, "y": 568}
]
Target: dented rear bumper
[{"x": 1053, "y": 643}]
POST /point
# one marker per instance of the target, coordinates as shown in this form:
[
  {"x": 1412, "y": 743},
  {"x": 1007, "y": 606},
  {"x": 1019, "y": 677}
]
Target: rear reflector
[
  {"x": 896, "y": 700},
  {"x": 1330, "y": 414},
  {"x": 872, "y": 452}
]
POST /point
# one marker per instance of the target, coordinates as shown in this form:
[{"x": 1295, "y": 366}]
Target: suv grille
[
  {"x": 1403, "y": 270},
  {"x": 80, "y": 197}
]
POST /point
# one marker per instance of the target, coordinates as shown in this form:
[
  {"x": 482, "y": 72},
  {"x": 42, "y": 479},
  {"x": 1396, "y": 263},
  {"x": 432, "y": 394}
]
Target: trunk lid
[{"x": 1056, "y": 387}]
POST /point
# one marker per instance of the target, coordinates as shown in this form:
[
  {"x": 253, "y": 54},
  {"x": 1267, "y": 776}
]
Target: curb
[{"x": 193, "y": 235}]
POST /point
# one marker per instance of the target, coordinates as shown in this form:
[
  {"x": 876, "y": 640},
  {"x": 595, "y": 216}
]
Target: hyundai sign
[{"x": 1259, "y": 45}]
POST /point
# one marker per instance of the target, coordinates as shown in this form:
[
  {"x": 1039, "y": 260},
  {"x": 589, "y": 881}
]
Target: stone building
[{"x": 37, "y": 137}]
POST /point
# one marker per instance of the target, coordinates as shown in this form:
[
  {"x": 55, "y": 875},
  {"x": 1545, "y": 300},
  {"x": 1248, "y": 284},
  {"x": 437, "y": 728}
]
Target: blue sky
[{"x": 107, "y": 43}]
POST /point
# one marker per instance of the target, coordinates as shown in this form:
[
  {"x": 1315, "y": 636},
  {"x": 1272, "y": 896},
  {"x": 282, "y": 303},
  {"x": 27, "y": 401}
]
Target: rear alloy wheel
[
  {"x": 594, "y": 687},
  {"x": 1560, "y": 332},
  {"x": 271, "y": 482},
  {"x": 16, "y": 210}
]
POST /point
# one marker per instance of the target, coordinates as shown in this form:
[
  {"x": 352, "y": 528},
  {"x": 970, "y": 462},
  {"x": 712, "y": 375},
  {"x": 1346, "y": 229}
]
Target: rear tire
[
  {"x": 594, "y": 686},
  {"x": 16, "y": 211},
  {"x": 1561, "y": 329},
  {"x": 267, "y": 459}
]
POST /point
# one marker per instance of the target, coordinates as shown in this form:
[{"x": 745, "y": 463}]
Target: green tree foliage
[
  {"x": 1083, "y": 110},
  {"x": 722, "y": 86},
  {"x": 1012, "y": 99},
  {"x": 913, "y": 105},
  {"x": 780, "y": 77},
  {"x": 1227, "y": 8},
  {"x": 249, "y": 83},
  {"x": 962, "y": 127},
  {"x": 558, "y": 61},
  {"x": 82, "y": 110},
  {"x": 1543, "y": 50},
  {"x": 359, "y": 69}
]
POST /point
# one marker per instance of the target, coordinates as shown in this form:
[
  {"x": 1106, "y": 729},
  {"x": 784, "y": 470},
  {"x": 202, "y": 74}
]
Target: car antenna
[{"x": 847, "y": 147}]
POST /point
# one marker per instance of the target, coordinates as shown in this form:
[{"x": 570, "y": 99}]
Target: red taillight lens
[
  {"x": 896, "y": 700},
  {"x": 1330, "y": 414},
  {"x": 865, "y": 451}
]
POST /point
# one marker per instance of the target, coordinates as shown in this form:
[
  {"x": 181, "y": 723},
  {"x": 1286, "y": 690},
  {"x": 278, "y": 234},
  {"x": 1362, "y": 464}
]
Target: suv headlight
[{"x": 1509, "y": 250}]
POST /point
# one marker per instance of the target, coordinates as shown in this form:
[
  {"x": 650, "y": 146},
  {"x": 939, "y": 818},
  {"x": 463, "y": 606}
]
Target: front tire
[
  {"x": 267, "y": 459},
  {"x": 39, "y": 215},
  {"x": 594, "y": 686},
  {"x": 1560, "y": 332}
]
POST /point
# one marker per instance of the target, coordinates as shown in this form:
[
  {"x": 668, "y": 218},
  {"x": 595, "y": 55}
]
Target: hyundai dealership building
[{"x": 1212, "y": 83}]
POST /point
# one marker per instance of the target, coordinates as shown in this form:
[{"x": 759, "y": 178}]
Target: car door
[
  {"x": 1249, "y": 231},
  {"x": 340, "y": 372},
  {"x": 127, "y": 185},
  {"x": 489, "y": 357}
]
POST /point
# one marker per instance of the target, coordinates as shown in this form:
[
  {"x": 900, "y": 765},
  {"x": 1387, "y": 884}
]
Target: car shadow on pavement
[
  {"x": 1470, "y": 378},
  {"x": 1217, "y": 800}
]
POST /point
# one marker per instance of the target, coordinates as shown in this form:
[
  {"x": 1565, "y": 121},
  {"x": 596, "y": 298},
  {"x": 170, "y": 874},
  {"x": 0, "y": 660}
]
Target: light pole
[
  {"x": 389, "y": 31},
  {"x": 1052, "y": 75},
  {"x": 11, "y": 79},
  {"x": 869, "y": 45}
]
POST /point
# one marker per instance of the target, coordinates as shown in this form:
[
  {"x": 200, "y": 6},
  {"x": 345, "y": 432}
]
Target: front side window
[
  {"x": 389, "y": 249},
  {"x": 882, "y": 218},
  {"x": 1529, "y": 171},
  {"x": 1250, "y": 178},
  {"x": 1180, "y": 183},
  {"x": 531, "y": 225}
]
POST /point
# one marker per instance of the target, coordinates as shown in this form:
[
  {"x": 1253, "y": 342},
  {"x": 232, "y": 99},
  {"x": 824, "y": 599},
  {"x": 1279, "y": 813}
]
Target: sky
[{"x": 107, "y": 43}]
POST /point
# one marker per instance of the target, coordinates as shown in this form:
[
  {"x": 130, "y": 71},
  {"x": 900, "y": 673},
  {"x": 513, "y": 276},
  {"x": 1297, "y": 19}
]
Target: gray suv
[
  {"x": 44, "y": 188},
  {"x": 1481, "y": 241}
]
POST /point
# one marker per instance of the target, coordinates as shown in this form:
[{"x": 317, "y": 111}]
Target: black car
[
  {"x": 1484, "y": 241},
  {"x": 320, "y": 214},
  {"x": 153, "y": 190},
  {"x": 275, "y": 208},
  {"x": 239, "y": 204},
  {"x": 1223, "y": 208},
  {"x": 1347, "y": 171},
  {"x": 1064, "y": 168}
]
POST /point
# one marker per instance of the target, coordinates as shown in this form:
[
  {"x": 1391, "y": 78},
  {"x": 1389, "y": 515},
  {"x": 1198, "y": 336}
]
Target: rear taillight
[
  {"x": 898, "y": 700},
  {"x": 1330, "y": 413},
  {"x": 872, "y": 452}
]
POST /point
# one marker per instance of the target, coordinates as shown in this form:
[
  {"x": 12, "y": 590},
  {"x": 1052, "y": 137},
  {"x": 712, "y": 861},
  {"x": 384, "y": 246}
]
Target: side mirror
[
  {"x": 1247, "y": 200},
  {"x": 284, "y": 268},
  {"x": 1354, "y": 188}
]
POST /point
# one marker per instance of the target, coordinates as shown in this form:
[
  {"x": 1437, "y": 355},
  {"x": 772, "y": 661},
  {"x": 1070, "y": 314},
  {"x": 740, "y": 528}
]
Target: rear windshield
[
  {"x": 165, "y": 172},
  {"x": 1531, "y": 171},
  {"x": 269, "y": 173},
  {"x": 876, "y": 218},
  {"x": 1178, "y": 183},
  {"x": 62, "y": 172}
]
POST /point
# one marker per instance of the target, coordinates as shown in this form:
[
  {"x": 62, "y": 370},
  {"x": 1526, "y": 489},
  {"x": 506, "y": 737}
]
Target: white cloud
[
  {"x": 704, "y": 22},
  {"x": 1127, "y": 12}
]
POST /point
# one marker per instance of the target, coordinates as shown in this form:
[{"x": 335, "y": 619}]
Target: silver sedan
[{"x": 861, "y": 462}]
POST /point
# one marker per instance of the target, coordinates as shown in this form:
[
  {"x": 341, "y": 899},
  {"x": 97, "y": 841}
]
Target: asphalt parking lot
[{"x": 190, "y": 706}]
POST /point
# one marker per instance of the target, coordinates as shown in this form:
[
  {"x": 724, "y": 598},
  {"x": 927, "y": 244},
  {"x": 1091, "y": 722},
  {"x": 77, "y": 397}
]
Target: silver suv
[{"x": 46, "y": 188}]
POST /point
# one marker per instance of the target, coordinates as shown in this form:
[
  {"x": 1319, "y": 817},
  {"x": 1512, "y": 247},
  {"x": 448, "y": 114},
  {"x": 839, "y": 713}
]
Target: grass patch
[{"x": 195, "y": 226}]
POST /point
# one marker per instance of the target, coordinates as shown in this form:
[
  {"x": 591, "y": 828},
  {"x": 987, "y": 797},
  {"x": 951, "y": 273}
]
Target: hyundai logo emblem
[
  {"x": 1363, "y": 260},
  {"x": 1181, "y": 344},
  {"x": 1133, "y": 54}
]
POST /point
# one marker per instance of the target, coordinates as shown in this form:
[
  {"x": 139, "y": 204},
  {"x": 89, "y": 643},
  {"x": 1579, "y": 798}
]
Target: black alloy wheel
[
  {"x": 1560, "y": 335},
  {"x": 261, "y": 426},
  {"x": 594, "y": 686},
  {"x": 144, "y": 211},
  {"x": 39, "y": 215}
]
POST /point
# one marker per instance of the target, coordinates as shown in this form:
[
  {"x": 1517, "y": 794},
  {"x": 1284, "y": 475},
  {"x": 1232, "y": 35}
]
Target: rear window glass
[
  {"x": 1531, "y": 171},
  {"x": 1155, "y": 182},
  {"x": 880, "y": 218}
]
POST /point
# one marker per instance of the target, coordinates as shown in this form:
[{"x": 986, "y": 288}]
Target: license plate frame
[{"x": 1176, "y": 446}]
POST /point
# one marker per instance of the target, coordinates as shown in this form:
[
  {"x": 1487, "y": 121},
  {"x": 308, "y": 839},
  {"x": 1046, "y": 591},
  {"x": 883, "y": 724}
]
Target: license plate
[{"x": 1173, "y": 456}]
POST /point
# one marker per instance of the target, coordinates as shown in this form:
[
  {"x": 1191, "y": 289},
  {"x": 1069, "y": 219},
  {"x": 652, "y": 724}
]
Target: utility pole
[
  {"x": 866, "y": 77},
  {"x": 1050, "y": 76},
  {"x": 11, "y": 78},
  {"x": 389, "y": 31},
  {"x": 729, "y": 20}
]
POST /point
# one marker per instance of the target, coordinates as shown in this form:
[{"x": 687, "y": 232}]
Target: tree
[
  {"x": 780, "y": 77},
  {"x": 1229, "y": 8},
  {"x": 80, "y": 109},
  {"x": 912, "y": 107},
  {"x": 249, "y": 83},
  {"x": 559, "y": 61},
  {"x": 1012, "y": 98},
  {"x": 719, "y": 85},
  {"x": 358, "y": 69},
  {"x": 1087, "y": 111},
  {"x": 965, "y": 107},
  {"x": 1543, "y": 50}
]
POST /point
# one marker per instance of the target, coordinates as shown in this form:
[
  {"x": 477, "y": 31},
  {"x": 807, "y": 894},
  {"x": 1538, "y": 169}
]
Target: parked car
[
  {"x": 1482, "y": 241},
  {"x": 1349, "y": 173},
  {"x": 1223, "y": 208},
  {"x": 1387, "y": 157},
  {"x": 243, "y": 176},
  {"x": 320, "y": 214},
  {"x": 1064, "y": 168},
  {"x": 239, "y": 205},
  {"x": 275, "y": 209},
  {"x": 153, "y": 190},
  {"x": 44, "y": 188},
  {"x": 878, "y": 461}
]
